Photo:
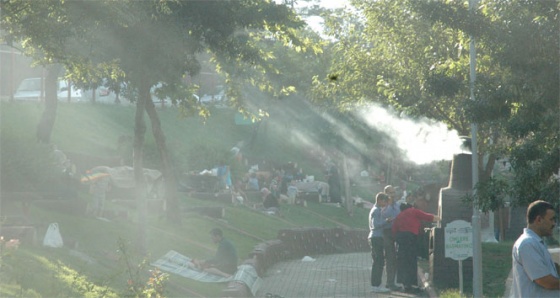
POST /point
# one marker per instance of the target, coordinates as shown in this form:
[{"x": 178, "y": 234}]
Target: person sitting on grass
[
  {"x": 224, "y": 263},
  {"x": 270, "y": 201}
]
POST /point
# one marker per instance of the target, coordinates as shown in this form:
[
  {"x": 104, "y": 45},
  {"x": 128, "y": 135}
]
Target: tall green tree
[
  {"x": 518, "y": 104},
  {"x": 413, "y": 56},
  {"x": 149, "y": 42},
  {"x": 51, "y": 32}
]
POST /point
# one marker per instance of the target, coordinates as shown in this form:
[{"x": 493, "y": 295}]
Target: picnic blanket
[{"x": 176, "y": 263}]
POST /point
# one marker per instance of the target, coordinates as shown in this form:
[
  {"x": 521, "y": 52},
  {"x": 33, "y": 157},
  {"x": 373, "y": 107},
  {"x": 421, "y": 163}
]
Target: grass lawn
[
  {"x": 496, "y": 265},
  {"x": 104, "y": 248},
  {"x": 106, "y": 261},
  {"x": 99, "y": 263}
]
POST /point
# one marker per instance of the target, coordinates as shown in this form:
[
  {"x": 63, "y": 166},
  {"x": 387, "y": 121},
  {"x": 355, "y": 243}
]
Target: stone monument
[{"x": 444, "y": 272}]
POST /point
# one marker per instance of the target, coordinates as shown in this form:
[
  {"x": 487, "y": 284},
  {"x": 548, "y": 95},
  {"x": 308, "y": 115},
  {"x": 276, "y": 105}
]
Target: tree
[
  {"x": 412, "y": 55},
  {"x": 149, "y": 42},
  {"x": 48, "y": 31},
  {"x": 519, "y": 102}
]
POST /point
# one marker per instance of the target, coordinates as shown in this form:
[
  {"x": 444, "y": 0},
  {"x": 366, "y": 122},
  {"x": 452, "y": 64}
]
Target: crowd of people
[
  {"x": 394, "y": 240},
  {"x": 395, "y": 224},
  {"x": 284, "y": 184},
  {"x": 394, "y": 229}
]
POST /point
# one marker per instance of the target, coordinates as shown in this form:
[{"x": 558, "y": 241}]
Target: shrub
[{"x": 26, "y": 165}]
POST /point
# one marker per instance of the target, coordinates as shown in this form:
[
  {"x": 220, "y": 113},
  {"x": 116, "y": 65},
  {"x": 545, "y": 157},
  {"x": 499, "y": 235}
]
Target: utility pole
[{"x": 477, "y": 246}]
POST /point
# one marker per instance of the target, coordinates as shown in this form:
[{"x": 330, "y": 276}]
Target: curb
[{"x": 429, "y": 290}]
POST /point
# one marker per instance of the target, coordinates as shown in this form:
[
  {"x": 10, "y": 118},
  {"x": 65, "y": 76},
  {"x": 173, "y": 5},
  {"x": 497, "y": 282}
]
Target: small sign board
[{"x": 458, "y": 240}]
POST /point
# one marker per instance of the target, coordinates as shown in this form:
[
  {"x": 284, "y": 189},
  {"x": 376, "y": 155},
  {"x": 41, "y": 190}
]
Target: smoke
[{"x": 422, "y": 140}]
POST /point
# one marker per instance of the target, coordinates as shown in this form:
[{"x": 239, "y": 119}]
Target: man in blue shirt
[
  {"x": 533, "y": 271},
  {"x": 390, "y": 212},
  {"x": 377, "y": 224}
]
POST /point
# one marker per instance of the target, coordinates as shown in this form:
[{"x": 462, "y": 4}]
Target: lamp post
[{"x": 477, "y": 246}]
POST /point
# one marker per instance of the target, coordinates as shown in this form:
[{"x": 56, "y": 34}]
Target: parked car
[
  {"x": 219, "y": 99},
  {"x": 32, "y": 89},
  {"x": 105, "y": 95}
]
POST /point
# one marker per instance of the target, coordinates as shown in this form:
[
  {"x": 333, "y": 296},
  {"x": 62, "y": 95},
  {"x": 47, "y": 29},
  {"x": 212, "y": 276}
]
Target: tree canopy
[
  {"x": 410, "y": 55},
  {"x": 147, "y": 42},
  {"x": 414, "y": 56}
]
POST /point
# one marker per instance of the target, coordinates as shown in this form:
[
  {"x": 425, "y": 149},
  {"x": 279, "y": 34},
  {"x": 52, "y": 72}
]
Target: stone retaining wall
[{"x": 297, "y": 243}]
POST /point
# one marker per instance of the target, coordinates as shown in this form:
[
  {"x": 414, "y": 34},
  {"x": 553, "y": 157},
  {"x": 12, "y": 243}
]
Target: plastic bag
[{"x": 53, "y": 237}]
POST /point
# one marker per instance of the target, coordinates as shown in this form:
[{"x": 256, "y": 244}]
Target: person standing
[
  {"x": 533, "y": 271},
  {"x": 376, "y": 226},
  {"x": 292, "y": 193},
  {"x": 333, "y": 179},
  {"x": 224, "y": 263},
  {"x": 253, "y": 182},
  {"x": 221, "y": 173},
  {"x": 100, "y": 184},
  {"x": 390, "y": 212},
  {"x": 406, "y": 227}
]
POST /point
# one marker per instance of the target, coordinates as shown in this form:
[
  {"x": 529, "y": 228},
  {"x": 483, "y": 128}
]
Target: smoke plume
[{"x": 422, "y": 140}]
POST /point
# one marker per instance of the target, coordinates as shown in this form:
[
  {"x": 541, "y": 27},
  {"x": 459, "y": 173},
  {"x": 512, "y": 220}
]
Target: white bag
[{"x": 53, "y": 237}]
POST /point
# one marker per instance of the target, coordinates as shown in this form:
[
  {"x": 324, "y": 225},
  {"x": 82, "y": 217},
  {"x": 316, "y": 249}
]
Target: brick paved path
[{"x": 338, "y": 275}]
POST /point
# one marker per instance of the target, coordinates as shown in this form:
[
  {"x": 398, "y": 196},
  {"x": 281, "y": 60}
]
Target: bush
[{"x": 26, "y": 165}]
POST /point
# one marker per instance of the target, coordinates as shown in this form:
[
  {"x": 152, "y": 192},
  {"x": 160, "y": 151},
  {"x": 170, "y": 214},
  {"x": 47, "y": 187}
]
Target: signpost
[{"x": 458, "y": 244}]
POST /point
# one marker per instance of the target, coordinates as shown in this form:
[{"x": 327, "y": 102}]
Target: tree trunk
[
  {"x": 46, "y": 124},
  {"x": 347, "y": 191},
  {"x": 172, "y": 203},
  {"x": 138, "y": 163},
  {"x": 501, "y": 224}
]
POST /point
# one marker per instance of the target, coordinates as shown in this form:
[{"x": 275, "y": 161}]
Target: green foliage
[
  {"x": 516, "y": 84},
  {"x": 123, "y": 40},
  {"x": 205, "y": 157},
  {"x": 491, "y": 194},
  {"x": 136, "y": 270},
  {"x": 27, "y": 165},
  {"x": 375, "y": 63},
  {"x": 25, "y": 272},
  {"x": 454, "y": 293},
  {"x": 514, "y": 91}
]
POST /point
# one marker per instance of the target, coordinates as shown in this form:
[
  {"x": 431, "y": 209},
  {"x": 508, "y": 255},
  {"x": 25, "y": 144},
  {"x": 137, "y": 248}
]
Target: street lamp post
[{"x": 477, "y": 246}]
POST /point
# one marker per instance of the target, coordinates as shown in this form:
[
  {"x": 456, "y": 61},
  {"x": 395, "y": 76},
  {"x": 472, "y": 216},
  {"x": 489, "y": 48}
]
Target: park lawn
[
  {"x": 105, "y": 258},
  {"x": 99, "y": 263}
]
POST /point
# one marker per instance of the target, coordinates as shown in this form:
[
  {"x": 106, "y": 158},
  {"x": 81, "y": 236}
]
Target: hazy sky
[
  {"x": 315, "y": 22},
  {"x": 334, "y": 3},
  {"x": 325, "y": 3}
]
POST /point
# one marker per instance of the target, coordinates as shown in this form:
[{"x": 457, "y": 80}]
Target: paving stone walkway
[{"x": 337, "y": 275}]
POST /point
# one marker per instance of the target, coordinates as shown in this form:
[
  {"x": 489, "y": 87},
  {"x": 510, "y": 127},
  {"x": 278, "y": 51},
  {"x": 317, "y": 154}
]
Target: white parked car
[
  {"x": 218, "y": 100},
  {"x": 32, "y": 89}
]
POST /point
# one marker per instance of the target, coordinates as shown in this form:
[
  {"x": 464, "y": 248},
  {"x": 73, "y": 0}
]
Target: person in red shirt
[{"x": 406, "y": 227}]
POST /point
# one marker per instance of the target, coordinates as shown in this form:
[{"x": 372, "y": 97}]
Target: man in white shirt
[{"x": 533, "y": 271}]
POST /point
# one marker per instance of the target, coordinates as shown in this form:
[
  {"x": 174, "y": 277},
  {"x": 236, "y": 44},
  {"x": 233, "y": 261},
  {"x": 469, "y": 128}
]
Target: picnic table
[
  {"x": 199, "y": 183},
  {"x": 319, "y": 187}
]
